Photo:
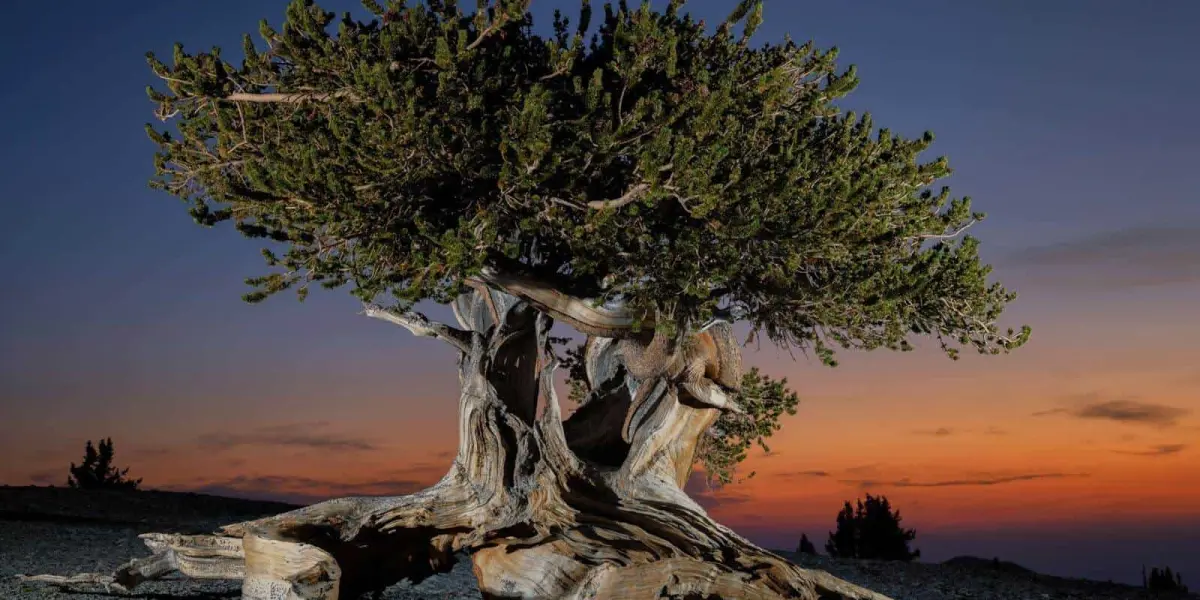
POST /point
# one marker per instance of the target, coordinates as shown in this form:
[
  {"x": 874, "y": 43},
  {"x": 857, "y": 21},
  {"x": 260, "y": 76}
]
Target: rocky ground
[{"x": 62, "y": 531}]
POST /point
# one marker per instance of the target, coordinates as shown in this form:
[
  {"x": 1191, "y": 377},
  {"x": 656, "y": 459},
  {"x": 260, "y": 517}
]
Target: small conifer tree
[
  {"x": 1164, "y": 580},
  {"x": 871, "y": 530},
  {"x": 806, "y": 546},
  {"x": 97, "y": 470}
]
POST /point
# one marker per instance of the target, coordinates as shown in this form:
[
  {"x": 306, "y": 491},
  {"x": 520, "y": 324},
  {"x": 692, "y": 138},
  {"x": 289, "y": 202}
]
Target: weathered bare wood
[
  {"x": 286, "y": 570},
  {"x": 633, "y": 194},
  {"x": 199, "y": 557},
  {"x": 550, "y": 425},
  {"x": 421, "y": 326},
  {"x": 292, "y": 98},
  {"x": 581, "y": 314},
  {"x": 632, "y": 532},
  {"x": 546, "y": 508}
]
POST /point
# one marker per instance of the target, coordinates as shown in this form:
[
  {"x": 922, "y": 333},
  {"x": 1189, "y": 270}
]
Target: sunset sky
[{"x": 1072, "y": 123}]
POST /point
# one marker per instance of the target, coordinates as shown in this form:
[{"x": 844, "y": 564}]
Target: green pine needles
[{"x": 687, "y": 173}]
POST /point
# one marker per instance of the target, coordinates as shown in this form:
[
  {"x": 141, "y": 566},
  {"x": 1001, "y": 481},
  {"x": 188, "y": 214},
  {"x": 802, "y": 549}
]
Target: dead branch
[
  {"x": 288, "y": 98},
  {"x": 421, "y": 326},
  {"x": 951, "y": 235},
  {"x": 629, "y": 196},
  {"x": 712, "y": 395}
]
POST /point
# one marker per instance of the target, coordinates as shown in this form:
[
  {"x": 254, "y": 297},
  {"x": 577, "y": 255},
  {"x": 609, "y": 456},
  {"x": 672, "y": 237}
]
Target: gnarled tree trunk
[{"x": 590, "y": 507}]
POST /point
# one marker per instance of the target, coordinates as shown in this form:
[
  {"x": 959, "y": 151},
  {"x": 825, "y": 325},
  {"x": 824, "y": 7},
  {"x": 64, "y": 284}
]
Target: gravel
[
  {"x": 977, "y": 580},
  {"x": 63, "y": 549},
  {"x": 66, "y": 532}
]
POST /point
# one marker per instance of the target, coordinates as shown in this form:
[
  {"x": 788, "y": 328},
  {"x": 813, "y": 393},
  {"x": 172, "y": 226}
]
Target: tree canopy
[{"x": 685, "y": 172}]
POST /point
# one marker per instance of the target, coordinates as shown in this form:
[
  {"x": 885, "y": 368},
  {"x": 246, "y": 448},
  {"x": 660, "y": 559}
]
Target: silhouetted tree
[
  {"x": 98, "y": 472},
  {"x": 1163, "y": 580},
  {"x": 806, "y": 546},
  {"x": 871, "y": 530}
]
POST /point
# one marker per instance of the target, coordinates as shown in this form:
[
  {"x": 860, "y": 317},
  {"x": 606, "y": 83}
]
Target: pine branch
[{"x": 951, "y": 235}]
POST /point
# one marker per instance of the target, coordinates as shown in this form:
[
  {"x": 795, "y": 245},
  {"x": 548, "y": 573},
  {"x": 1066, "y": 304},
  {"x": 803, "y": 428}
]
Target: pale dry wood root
[
  {"x": 590, "y": 507},
  {"x": 197, "y": 556}
]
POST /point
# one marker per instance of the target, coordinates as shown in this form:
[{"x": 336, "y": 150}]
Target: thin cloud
[
  {"x": 48, "y": 477},
  {"x": 304, "y": 490},
  {"x": 711, "y": 497},
  {"x": 800, "y": 474},
  {"x": 949, "y": 431},
  {"x": 1162, "y": 450},
  {"x": 1135, "y": 256},
  {"x": 815, "y": 473},
  {"x": 1053, "y": 411},
  {"x": 863, "y": 469},
  {"x": 939, "y": 432},
  {"x": 1122, "y": 410},
  {"x": 906, "y": 482},
  {"x": 301, "y": 435},
  {"x": 1130, "y": 411},
  {"x": 422, "y": 471}
]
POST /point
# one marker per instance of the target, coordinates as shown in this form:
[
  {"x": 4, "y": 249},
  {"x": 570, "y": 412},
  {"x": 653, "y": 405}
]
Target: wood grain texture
[{"x": 590, "y": 507}]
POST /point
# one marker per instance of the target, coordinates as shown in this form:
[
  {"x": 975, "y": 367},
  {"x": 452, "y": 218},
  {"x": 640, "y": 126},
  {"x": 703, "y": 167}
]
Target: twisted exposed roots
[{"x": 547, "y": 509}]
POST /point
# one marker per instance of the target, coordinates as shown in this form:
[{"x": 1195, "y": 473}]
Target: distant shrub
[
  {"x": 805, "y": 547},
  {"x": 98, "y": 472},
  {"x": 1163, "y": 580},
  {"x": 871, "y": 530}
]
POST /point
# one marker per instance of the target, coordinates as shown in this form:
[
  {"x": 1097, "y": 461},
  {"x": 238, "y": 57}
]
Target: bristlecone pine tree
[
  {"x": 871, "y": 530},
  {"x": 647, "y": 187},
  {"x": 97, "y": 471}
]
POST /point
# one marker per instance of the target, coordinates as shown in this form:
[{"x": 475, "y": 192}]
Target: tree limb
[
  {"x": 951, "y": 235},
  {"x": 599, "y": 321},
  {"x": 288, "y": 98},
  {"x": 628, "y": 197},
  {"x": 421, "y": 326},
  {"x": 483, "y": 35},
  {"x": 711, "y": 394},
  {"x": 634, "y": 193}
]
